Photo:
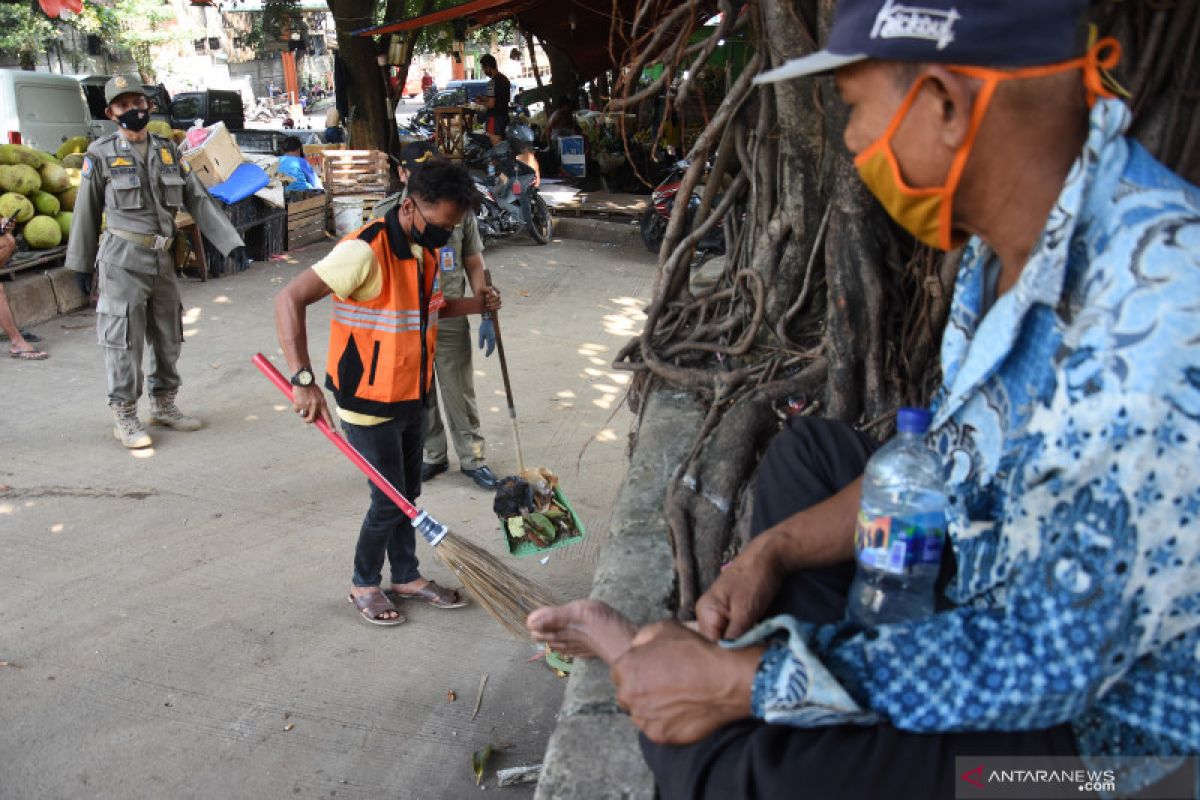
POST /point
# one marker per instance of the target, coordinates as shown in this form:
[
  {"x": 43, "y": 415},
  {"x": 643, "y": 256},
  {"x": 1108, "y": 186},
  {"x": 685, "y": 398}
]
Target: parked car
[
  {"x": 474, "y": 88},
  {"x": 212, "y": 106},
  {"x": 93, "y": 91},
  {"x": 41, "y": 109}
]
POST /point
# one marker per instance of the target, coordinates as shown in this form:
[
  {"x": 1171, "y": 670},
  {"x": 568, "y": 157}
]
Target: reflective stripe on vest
[{"x": 376, "y": 359}]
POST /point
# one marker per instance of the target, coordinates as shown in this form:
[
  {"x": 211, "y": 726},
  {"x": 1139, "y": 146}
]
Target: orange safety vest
[{"x": 381, "y": 350}]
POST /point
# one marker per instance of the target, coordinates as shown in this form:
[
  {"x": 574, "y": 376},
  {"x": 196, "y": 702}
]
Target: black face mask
[
  {"x": 433, "y": 237},
  {"x": 135, "y": 119}
]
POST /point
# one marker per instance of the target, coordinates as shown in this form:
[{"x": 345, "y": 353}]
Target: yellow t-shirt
[{"x": 352, "y": 272}]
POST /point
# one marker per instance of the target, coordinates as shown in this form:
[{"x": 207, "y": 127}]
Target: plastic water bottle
[{"x": 901, "y": 528}]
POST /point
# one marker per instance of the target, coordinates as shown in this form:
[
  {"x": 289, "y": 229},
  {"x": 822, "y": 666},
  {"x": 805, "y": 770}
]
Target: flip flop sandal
[
  {"x": 371, "y": 606},
  {"x": 435, "y": 595},
  {"x": 29, "y": 355}
]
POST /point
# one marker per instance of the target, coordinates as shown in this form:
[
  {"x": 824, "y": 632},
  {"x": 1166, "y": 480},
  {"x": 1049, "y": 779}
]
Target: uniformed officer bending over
[{"x": 138, "y": 182}]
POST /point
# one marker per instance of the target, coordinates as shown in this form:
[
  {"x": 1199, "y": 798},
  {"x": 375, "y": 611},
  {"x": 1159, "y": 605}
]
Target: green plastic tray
[{"x": 522, "y": 548}]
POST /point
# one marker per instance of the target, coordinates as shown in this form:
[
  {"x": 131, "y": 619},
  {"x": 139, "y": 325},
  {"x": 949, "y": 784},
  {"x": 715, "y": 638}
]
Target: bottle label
[{"x": 896, "y": 544}]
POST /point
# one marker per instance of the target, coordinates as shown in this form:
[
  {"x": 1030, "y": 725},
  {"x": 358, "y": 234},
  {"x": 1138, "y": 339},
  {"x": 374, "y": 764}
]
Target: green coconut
[
  {"x": 55, "y": 178},
  {"x": 20, "y": 154},
  {"x": 42, "y": 232},
  {"x": 45, "y": 203},
  {"x": 66, "y": 200},
  {"x": 48, "y": 158},
  {"x": 76, "y": 144},
  {"x": 20, "y": 178},
  {"x": 16, "y": 207},
  {"x": 73, "y": 161},
  {"x": 64, "y": 218}
]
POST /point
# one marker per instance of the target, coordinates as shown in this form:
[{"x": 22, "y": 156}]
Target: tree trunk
[
  {"x": 369, "y": 123},
  {"x": 564, "y": 78}
]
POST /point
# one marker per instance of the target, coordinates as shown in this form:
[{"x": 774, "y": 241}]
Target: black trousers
[
  {"x": 807, "y": 462},
  {"x": 393, "y": 448}
]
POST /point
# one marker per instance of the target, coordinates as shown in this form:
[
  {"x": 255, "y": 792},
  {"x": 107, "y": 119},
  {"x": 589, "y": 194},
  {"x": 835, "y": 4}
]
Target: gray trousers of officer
[
  {"x": 454, "y": 379},
  {"x": 138, "y": 307}
]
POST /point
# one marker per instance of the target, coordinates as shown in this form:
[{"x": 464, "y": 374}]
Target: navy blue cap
[{"x": 981, "y": 33}]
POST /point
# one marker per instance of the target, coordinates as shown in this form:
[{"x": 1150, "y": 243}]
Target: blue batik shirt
[{"x": 1069, "y": 426}]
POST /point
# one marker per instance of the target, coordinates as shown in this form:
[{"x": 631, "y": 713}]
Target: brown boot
[
  {"x": 128, "y": 428},
  {"x": 163, "y": 411}
]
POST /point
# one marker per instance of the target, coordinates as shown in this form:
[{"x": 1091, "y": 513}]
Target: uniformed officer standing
[{"x": 138, "y": 182}]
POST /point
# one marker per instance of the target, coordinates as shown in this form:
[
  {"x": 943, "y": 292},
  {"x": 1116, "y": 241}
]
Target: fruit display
[{"x": 38, "y": 190}]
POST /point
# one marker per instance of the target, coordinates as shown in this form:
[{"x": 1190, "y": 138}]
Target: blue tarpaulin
[{"x": 245, "y": 181}]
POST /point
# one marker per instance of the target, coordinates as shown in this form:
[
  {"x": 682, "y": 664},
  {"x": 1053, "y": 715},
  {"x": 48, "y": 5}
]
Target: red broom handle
[{"x": 385, "y": 486}]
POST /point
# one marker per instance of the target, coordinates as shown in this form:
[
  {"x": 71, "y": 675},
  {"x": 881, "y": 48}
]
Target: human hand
[
  {"x": 487, "y": 336},
  {"x": 309, "y": 403},
  {"x": 678, "y": 687},
  {"x": 491, "y": 299},
  {"x": 84, "y": 281},
  {"x": 739, "y": 596}
]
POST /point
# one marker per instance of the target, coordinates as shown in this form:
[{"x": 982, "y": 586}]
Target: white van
[{"x": 41, "y": 109}]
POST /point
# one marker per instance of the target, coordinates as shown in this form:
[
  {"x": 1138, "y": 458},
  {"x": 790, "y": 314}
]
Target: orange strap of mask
[{"x": 1100, "y": 57}]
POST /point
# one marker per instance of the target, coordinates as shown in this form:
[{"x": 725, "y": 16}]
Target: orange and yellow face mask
[{"x": 926, "y": 213}]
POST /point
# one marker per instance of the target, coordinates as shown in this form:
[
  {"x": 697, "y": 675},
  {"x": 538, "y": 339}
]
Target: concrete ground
[{"x": 174, "y": 622}]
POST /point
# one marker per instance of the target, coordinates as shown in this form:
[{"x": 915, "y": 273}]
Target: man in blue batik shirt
[{"x": 1068, "y": 422}]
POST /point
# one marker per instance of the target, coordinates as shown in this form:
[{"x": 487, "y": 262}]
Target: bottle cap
[{"x": 912, "y": 420}]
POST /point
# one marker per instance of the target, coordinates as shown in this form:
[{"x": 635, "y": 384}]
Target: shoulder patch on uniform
[{"x": 86, "y": 170}]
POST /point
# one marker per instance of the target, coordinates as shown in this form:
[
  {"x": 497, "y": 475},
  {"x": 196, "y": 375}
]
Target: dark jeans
[
  {"x": 807, "y": 462},
  {"x": 393, "y": 448}
]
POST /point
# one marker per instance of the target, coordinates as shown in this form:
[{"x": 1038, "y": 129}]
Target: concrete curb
[
  {"x": 604, "y": 231},
  {"x": 41, "y": 296},
  {"x": 594, "y": 750}
]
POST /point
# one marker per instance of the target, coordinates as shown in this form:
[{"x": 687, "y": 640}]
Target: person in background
[
  {"x": 19, "y": 346},
  {"x": 426, "y": 85},
  {"x": 137, "y": 182},
  {"x": 294, "y": 165},
  {"x": 562, "y": 121},
  {"x": 333, "y": 129},
  {"x": 496, "y": 100}
]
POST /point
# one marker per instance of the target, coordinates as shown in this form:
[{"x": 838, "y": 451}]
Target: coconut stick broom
[{"x": 507, "y": 595}]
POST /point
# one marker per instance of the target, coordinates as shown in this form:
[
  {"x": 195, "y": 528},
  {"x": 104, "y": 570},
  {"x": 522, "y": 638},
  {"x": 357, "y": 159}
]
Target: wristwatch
[{"x": 303, "y": 377}]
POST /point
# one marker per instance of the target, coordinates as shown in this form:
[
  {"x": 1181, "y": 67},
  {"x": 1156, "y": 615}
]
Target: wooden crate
[
  {"x": 355, "y": 171},
  {"x": 315, "y": 153},
  {"x": 306, "y": 221}
]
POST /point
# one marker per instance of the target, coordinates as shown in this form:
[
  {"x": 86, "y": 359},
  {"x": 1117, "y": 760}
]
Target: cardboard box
[{"x": 216, "y": 159}]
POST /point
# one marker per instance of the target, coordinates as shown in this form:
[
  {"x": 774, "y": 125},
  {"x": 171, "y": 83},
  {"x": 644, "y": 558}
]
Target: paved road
[{"x": 175, "y": 620}]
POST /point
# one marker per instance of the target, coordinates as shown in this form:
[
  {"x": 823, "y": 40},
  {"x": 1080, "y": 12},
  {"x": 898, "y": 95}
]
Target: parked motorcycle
[
  {"x": 511, "y": 202},
  {"x": 653, "y": 222}
]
